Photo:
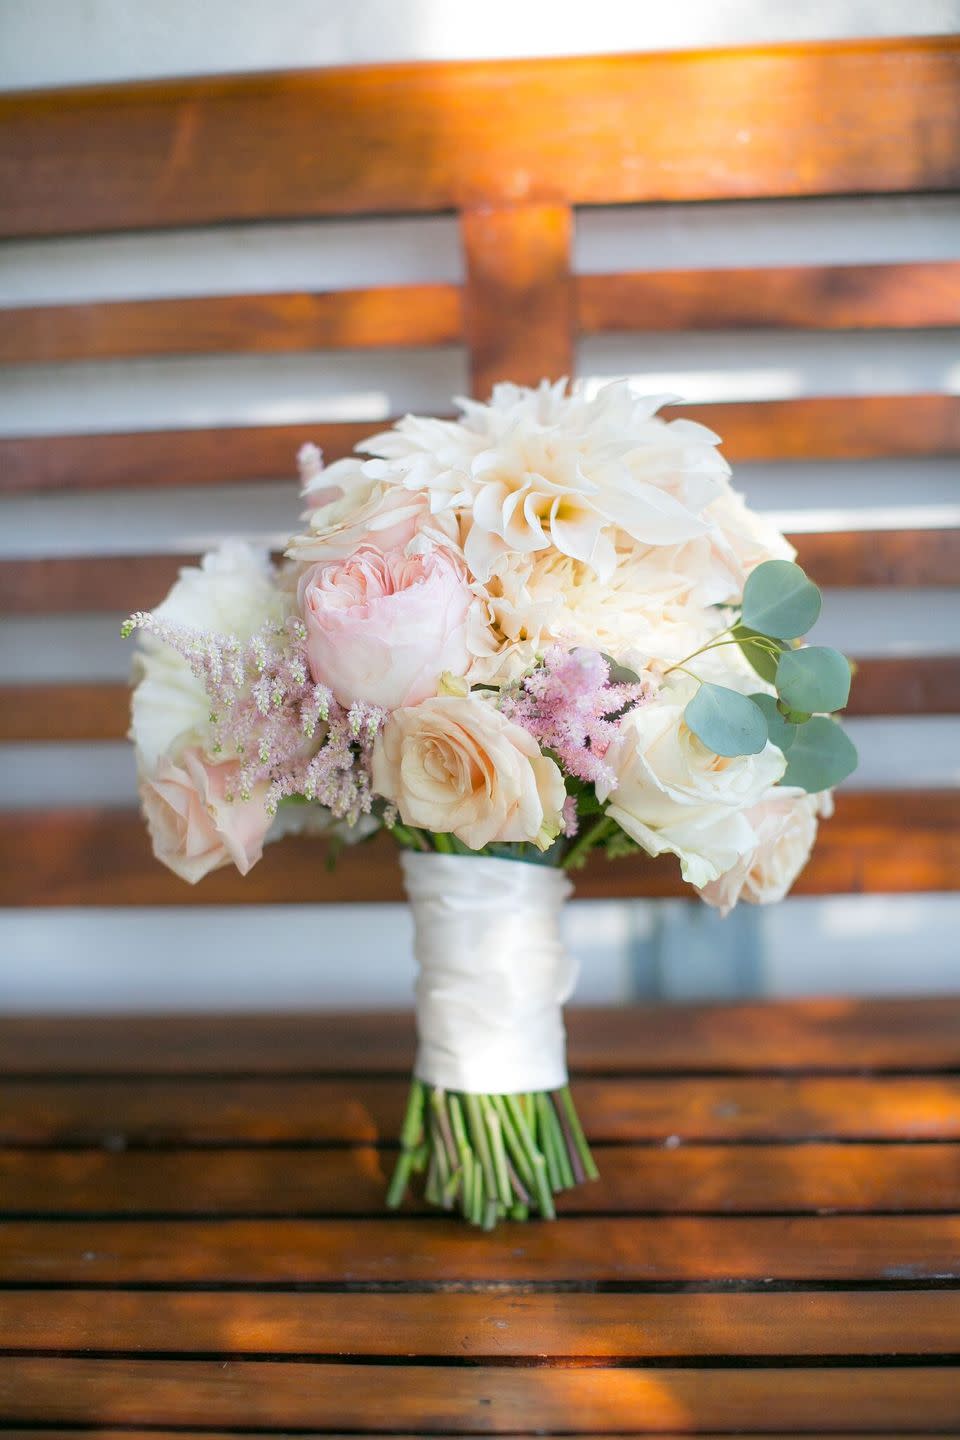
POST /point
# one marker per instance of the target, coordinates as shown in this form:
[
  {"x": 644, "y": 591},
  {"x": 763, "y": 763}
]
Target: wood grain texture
[
  {"x": 460, "y": 1326},
  {"x": 831, "y": 428},
  {"x": 121, "y": 1321},
  {"x": 423, "y": 1252},
  {"x": 829, "y": 118},
  {"x": 883, "y": 557},
  {"x": 908, "y": 685},
  {"x": 126, "y": 1432},
  {"x": 519, "y": 294},
  {"x": 920, "y": 685},
  {"x": 363, "y": 1110},
  {"x": 120, "y": 584},
  {"x": 811, "y": 1178},
  {"x": 834, "y": 427},
  {"x": 84, "y": 857},
  {"x": 825, "y": 297},
  {"x": 900, "y": 1035},
  {"x": 523, "y": 306},
  {"x": 174, "y": 459},
  {"x": 74, "y": 710},
  {"x": 473, "y": 1399},
  {"x": 388, "y": 317}
]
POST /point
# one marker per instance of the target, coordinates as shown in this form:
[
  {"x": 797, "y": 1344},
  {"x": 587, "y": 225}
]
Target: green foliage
[
  {"x": 779, "y": 605},
  {"x": 584, "y": 794},
  {"x": 780, "y": 730},
  {"x": 815, "y": 679},
  {"x": 779, "y": 600},
  {"x": 762, "y": 652},
  {"x": 621, "y": 674},
  {"x": 727, "y": 722},
  {"x": 820, "y": 756},
  {"x": 619, "y": 845}
]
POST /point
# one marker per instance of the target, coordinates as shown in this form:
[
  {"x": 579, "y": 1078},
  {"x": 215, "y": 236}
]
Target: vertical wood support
[{"x": 519, "y": 294}]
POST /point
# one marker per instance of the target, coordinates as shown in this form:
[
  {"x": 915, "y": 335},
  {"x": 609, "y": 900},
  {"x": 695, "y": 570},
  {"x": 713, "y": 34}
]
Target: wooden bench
[
  {"x": 513, "y": 148},
  {"x": 193, "y": 1236}
]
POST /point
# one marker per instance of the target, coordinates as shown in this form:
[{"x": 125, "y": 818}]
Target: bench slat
[
  {"x": 700, "y": 1179},
  {"x": 445, "y": 1398},
  {"x": 416, "y": 138},
  {"x": 84, "y": 857},
  {"x": 828, "y": 297},
  {"x": 391, "y": 316},
  {"x": 427, "y": 1251},
  {"x": 120, "y": 584},
  {"x": 829, "y": 428},
  {"x": 610, "y": 1327},
  {"x": 837, "y": 297},
  {"x": 905, "y": 1034},
  {"x": 111, "y": 1113}
]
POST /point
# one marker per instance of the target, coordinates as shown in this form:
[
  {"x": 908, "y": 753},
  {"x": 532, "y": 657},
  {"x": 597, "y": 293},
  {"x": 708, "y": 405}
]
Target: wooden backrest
[{"x": 513, "y": 148}]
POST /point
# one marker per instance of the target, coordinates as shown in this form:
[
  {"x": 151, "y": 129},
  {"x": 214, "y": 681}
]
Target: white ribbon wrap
[{"x": 493, "y": 972}]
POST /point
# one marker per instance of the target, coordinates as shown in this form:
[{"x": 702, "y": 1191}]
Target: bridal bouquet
[{"x": 547, "y": 628}]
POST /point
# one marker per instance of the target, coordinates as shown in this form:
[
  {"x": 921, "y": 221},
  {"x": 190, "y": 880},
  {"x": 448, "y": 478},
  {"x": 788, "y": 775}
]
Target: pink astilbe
[
  {"x": 266, "y": 711},
  {"x": 570, "y": 707}
]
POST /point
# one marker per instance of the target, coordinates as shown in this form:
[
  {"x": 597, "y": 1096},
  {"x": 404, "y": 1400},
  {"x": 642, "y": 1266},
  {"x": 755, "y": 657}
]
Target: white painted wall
[
  {"x": 56, "y": 42},
  {"x": 99, "y": 959}
]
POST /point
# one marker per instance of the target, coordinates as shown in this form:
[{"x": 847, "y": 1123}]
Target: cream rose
[
  {"x": 382, "y": 628},
  {"x": 193, "y": 826},
  {"x": 673, "y": 794},
  {"x": 455, "y": 765},
  {"x": 785, "y": 828},
  {"x": 367, "y": 512}
]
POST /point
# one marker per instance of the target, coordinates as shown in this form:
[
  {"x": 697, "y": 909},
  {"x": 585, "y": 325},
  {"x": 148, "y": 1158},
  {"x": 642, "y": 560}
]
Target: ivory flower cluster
[{"x": 486, "y": 637}]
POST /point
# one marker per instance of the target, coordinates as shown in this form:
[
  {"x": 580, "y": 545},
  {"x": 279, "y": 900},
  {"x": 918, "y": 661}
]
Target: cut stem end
[{"x": 491, "y": 1156}]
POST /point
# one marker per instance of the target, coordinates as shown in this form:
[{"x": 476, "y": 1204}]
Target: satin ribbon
[{"x": 493, "y": 972}]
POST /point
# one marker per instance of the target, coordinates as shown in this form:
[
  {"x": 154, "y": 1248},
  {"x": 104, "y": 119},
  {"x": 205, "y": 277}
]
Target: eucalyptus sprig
[{"x": 780, "y": 604}]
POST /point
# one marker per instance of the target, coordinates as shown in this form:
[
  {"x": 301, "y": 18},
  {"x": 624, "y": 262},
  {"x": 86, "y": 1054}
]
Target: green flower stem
[
  {"x": 560, "y": 1140},
  {"x": 400, "y": 1181},
  {"x": 457, "y": 1125},
  {"x": 466, "y": 1190},
  {"x": 476, "y": 1195},
  {"x": 499, "y": 1154},
  {"x": 438, "y": 1105},
  {"x": 519, "y": 1155},
  {"x": 431, "y": 1192},
  {"x": 584, "y": 843},
  {"x": 579, "y": 1139},
  {"x": 516, "y": 1109},
  {"x": 711, "y": 644},
  {"x": 490, "y": 1156},
  {"x": 478, "y": 1134},
  {"x": 439, "y": 1154},
  {"x": 548, "y": 1144},
  {"x": 412, "y": 1132},
  {"x": 516, "y": 1184},
  {"x": 576, "y": 1164}
]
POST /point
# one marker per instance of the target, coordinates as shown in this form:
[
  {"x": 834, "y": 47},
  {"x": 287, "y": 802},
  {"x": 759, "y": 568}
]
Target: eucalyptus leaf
[
  {"x": 756, "y": 653},
  {"x": 779, "y": 600},
  {"x": 822, "y": 754},
  {"x": 727, "y": 722},
  {"x": 815, "y": 679},
  {"x": 620, "y": 674},
  {"x": 780, "y": 731}
]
